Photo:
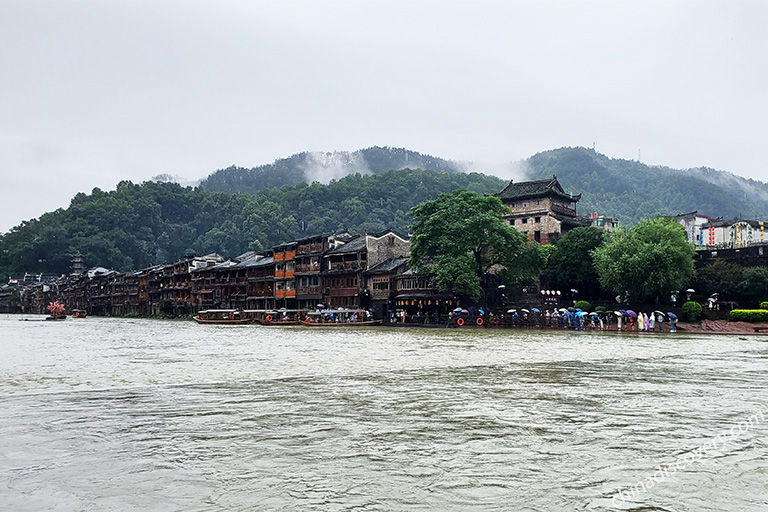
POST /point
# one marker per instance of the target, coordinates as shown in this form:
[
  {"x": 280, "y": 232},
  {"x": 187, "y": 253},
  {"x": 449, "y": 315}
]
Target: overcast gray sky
[{"x": 93, "y": 92}]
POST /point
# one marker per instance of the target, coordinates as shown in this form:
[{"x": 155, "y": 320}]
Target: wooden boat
[
  {"x": 79, "y": 313},
  {"x": 339, "y": 318},
  {"x": 363, "y": 323},
  {"x": 223, "y": 317},
  {"x": 282, "y": 317}
]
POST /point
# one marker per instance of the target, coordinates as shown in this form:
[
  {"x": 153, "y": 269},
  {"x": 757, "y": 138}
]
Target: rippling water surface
[{"x": 115, "y": 414}]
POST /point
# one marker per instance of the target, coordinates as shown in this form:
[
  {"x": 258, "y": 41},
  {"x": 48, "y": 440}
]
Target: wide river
[{"x": 117, "y": 414}]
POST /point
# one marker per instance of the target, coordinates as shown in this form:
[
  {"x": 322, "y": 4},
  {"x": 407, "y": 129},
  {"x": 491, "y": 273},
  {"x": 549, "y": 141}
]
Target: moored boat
[
  {"x": 282, "y": 317},
  {"x": 222, "y": 317},
  {"x": 339, "y": 318},
  {"x": 363, "y": 323}
]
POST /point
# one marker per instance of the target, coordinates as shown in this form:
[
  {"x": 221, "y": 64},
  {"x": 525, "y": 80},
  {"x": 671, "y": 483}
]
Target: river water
[{"x": 118, "y": 414}]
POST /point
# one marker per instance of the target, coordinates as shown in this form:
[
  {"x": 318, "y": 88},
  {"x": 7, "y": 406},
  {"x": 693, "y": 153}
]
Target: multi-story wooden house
[
  {"x": 260, "y": 276},
  {"x": 346, "y": 284},
  {"x": 285, "y": 280},
  {"x": 308, "y": 267},
  {"x": 341, "y": 274},
  {"x": 176, "y": 281},
  {"x": 382, "y": 285}
]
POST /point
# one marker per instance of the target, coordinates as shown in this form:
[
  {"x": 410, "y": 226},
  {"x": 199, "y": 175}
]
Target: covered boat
[
  {"x": 281, "y": 317},
  {"x": 223, "y": 317},
  {"x": 339, "y": 318}
]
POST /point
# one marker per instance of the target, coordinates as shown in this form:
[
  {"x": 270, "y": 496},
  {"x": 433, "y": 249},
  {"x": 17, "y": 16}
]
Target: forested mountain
[
  {"x": 626, "y": 189},
  {"x": 137, "y": 226},
  {"x": 322, "y": 167},
  {"x": 632, "y": 191}
]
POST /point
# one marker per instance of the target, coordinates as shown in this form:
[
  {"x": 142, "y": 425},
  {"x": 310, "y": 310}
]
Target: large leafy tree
[
  {"x": 720, "y": 277},
  {"x": 571, "y": 266},
  {"x": 460, "y": 237},
  {"x": 646, "y": 261},
  {"x": 754, "y": 285}
]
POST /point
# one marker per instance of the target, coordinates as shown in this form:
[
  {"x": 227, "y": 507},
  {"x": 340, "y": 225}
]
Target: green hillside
[
  {"x": 137, "y": 226},
  {"x": 322, "y": 167},
  {"x": 632, "y": 191}
]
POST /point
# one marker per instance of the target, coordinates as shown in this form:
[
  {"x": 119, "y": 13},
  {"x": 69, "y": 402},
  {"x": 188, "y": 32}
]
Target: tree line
[
  {"x": 140, "y": 225},
  {"x": 463, "y": 241}
]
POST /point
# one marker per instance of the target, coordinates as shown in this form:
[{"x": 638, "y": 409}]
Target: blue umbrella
[
  {"x": 535, "y": 310},
  {"x": 672, "y": 316}
]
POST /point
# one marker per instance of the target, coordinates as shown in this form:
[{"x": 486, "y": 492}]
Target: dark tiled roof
[
  {"x": 344, "y": 236},
  {"x": 246, "y": 256},
  {"x": 357, "y": 244},
  {"x": 255, "y": 261},
  {"x": 536, "y": 188},
  {"x": 388, "y": 266}
]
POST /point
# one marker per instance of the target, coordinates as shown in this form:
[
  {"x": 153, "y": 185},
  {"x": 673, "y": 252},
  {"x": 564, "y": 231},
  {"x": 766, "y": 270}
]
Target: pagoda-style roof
[{"x": 534, "y": 189}]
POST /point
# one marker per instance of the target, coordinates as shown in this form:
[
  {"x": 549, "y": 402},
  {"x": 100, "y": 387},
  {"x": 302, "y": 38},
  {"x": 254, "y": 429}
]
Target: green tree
[
  {"x": 571, "y": 265},
  {"x": 458, "y": 238},
  {"x": 647, "y": 261},
  {"x": 720, "y": 277},
  {"x": 754, "y": 285}
]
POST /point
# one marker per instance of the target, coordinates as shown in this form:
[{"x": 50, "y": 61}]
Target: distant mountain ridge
[
  {"x": 323, "y": 167},
  {"x": 626, "y": 189},
  {"x": 631, "y": 190}
]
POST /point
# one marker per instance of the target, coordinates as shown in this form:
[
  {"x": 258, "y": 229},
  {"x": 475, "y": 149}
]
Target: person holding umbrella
[
  {"x": 660, "y": 320},
  {"x": 632, "y": 316},
  {"x": 672, "y": 322}
]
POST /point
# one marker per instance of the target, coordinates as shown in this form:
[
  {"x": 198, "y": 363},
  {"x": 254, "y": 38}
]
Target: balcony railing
[
  {"x": 309, "y": 248},
  {"x": 344, "y": 292},
  {"x": 349, "y": 265}
]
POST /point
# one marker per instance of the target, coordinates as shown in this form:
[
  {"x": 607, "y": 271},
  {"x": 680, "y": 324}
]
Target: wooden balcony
[
  {"x": 309, "y": 248},
  {"x": 344, "y": 292},
  {"x": 283, "y": 256},
  {"x": 308, "y": 290}
]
